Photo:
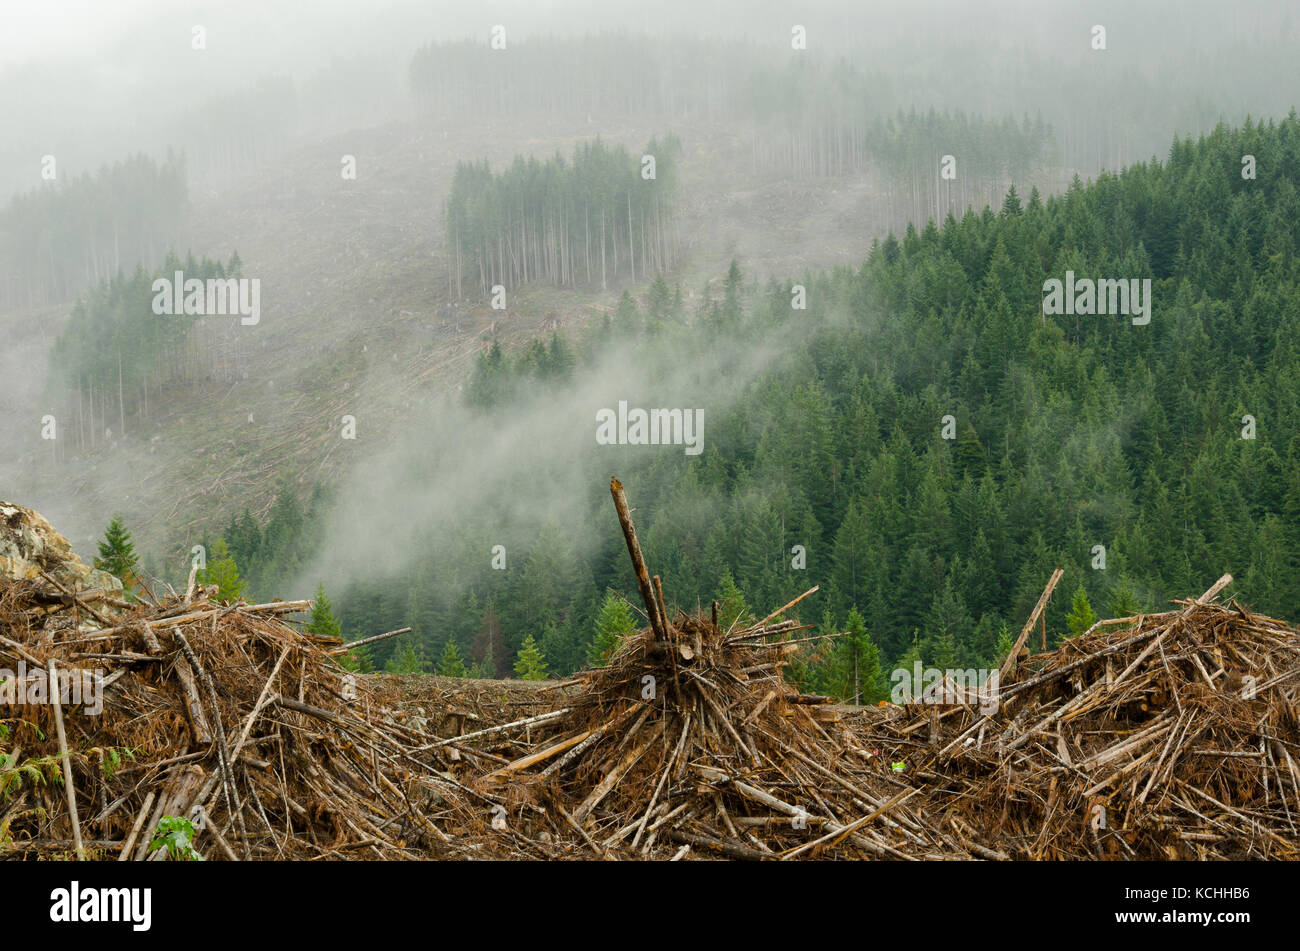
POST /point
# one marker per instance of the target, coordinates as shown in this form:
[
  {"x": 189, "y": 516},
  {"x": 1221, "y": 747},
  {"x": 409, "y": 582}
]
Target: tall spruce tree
[
  {"x": 224, "y": 573},
  {"x": 323, "y": 623},
  {"x": 407, "y": 659},
  {"x": 857, "y": 663},
  {"x": 614, "y": 623},
  {"x": 117, "y": 553},
  {"x": 530, "y": 664},
  {"x": 450, "y": 663},
  {"x": 1081, "y": 616},
  {"x": 731, "y": 602}
]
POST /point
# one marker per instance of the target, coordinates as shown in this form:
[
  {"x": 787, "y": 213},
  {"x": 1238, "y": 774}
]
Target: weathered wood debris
[{"x": 1162, "y": 736}]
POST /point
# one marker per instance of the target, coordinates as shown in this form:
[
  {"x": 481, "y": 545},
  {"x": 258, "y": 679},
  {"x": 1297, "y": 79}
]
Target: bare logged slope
[{"x": 358, "y": 318}]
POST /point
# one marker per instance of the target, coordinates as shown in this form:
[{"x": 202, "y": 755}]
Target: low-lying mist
[{"x": 503, "y": 474}]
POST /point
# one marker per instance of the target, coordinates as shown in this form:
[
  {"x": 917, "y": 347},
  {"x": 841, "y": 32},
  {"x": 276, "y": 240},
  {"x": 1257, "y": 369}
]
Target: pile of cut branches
[
  {"x": 224, "y": 716},
  {"x": 1161, "y": 736},
  {"x": 690, "y": 740}
]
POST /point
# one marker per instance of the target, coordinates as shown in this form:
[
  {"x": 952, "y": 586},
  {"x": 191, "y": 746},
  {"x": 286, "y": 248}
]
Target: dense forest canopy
[{"x": 1069, "y": 434}]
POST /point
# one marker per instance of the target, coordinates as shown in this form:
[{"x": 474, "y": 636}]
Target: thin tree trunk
[{"x": 121, "y": 406}]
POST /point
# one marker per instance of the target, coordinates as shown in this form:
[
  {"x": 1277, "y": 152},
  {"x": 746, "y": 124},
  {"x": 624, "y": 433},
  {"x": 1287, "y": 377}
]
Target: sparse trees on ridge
[{"x": 583, "y": 221}]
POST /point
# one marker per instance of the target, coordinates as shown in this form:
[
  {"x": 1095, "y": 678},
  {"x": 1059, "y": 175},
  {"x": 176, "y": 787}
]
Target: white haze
[{"x": 512, "y": 471}]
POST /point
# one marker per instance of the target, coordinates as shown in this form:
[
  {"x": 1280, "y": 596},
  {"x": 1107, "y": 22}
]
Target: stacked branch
[
  {"x": 690, "y": 739},
  {"x": 221, "y": 714},
  {"x": 1163, "y": 736}
]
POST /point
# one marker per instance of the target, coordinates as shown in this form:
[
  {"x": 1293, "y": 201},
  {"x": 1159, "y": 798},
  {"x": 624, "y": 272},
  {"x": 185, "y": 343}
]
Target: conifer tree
[
  {"x": 1005, "y": 643},
  {"x": 117, "y": 553},
  {"x": 489, "y": 643},
  {"x": 323, "y": 623},
  {"x": 406, "y": 660},
  {"x": 224, "y": 573},
  {"x": 530, "y": 664},
  {"x": 908, "y": 663},
  {"x": 358, "y": 660},
  {"x": 1081, "y": 616},
  {"x": 858, "y": 663},
  {"x": 486, "y": 668},
  {"x": 614, "y": 623},
  {"x": 450, "y": 663},
  {"x": 1124, "y": 602},
  {"x": 970, "y": 454},
  {"x": 731, "y": 601}
]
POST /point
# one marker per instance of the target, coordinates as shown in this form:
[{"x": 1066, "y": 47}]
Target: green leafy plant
[
  {"x": 112, "y": 758},
  {"x": 36, "y": 770},
  {"x": 176, "y": 835}
]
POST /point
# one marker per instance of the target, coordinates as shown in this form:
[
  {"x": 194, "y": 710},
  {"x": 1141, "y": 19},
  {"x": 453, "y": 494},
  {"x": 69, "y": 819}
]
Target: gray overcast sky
[{"x": 38, "y": 29}]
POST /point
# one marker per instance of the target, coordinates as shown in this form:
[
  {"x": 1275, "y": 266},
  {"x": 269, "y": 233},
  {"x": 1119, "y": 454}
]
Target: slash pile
[
  {"x": 696, "y": 743},
  {"x": 689, "y": 739},
  {"x": 224, "y": 715},
  {"x": 1164, "y": 736}
]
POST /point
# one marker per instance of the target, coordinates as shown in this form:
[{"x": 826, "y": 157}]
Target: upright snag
[{"x": 658, "y": 623}]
